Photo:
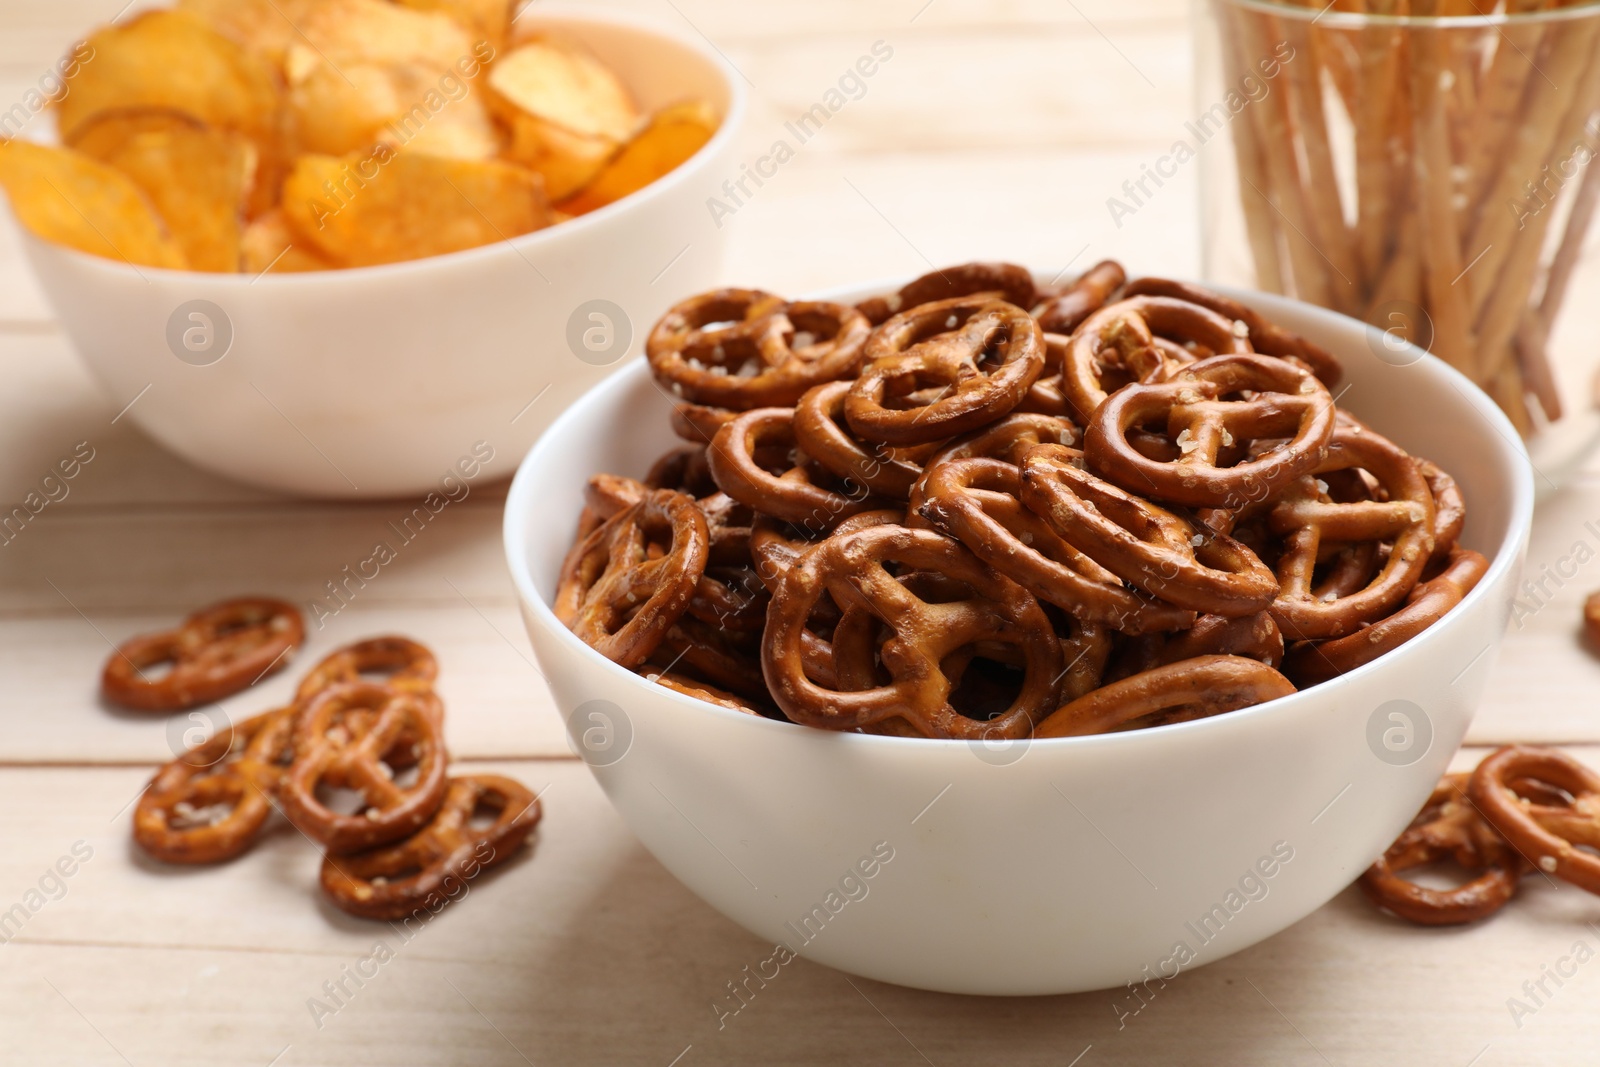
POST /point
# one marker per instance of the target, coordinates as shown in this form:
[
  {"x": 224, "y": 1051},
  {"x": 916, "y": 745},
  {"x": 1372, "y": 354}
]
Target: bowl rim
[
  {"x": 554, "y": 13},
  {"x": 520, "y": 509}
]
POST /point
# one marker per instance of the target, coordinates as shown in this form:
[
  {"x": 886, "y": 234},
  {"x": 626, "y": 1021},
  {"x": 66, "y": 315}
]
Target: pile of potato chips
[{"x": 294, "y": 135}]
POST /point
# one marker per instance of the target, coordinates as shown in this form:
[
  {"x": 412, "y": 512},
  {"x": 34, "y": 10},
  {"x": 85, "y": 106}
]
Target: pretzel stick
[
  {"x": 1392, "y": 180},
  {"x": 1510, "y": 393},
  {"x": 1401, "y": 279},
  {"x": 1533, "y": 337},
  {"x": 1285, "y": 189},
  {"x": 1507, "y": 299},
  {"x": 1261, "y": 226},
  {"x": 1321, "y": 188},
  {"x": 1374, "y": 120},
  {"x": 1546, "y": 104},
  {"x": 1465, "y": 71},
  {"x": 1441, "y": 252},
  {"x": 1533, "y": 361},
  {"x": 1498, "y": 103},
  {"x": 1339, "y": 53}
]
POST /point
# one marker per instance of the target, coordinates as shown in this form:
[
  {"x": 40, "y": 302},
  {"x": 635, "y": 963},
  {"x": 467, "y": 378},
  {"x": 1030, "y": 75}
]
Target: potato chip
[
  {"x": 378, "y": 32},
  {"x": 174, "y": 59},
  {"x": 484, "y": 20},
  {"x": 674, "y": 134},
  {"x": 333, "y": 111},
  {"x": 461, "y": 130},
  {"x": 197, "y": 177},
  {"x": 369, "y": 72},
  {"x": 338, "y": 111},
  {"x": 69, "y": 199},
  {"x": 566, "y": 86},
  {"x": 270, "y": 245},
  {"x": 388, "y": 206},
  {"x": 566, "y": 160},
  {"x": 265, "y": 27}
]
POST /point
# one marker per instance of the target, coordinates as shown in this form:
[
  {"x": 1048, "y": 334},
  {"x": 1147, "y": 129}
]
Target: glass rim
[{"x": 1352, "y": 20}]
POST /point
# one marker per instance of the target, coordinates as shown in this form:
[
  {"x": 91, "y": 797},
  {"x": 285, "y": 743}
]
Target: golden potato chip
[
  {"x": 368, "y": 71},
  {"x": 461, "y": 130},
  {"x": 567, "y": 161},
  {"x": 564, "y": 85},
  {"x": 388, "y": 206},
  {"x": 265, "y": 27},
  {"x": 484, "y": 20},
  {"x": 378, "y": 32},
  {"x": 69, "y": 199},
  {"x": 335, "y": 110},
  {"x": 674, "y": 134},
  {"x": 176, "y": 60},
  {"x": 197, "y": 177},
  {"x": 338, "y": 111},
  {"x": 270, "y": 245}
]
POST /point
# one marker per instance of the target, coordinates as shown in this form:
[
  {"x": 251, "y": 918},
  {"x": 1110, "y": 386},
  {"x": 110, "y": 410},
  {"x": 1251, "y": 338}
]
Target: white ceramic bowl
[
  {"x": 1057, "y": 865},
  {"x": 377, "y": 381}
]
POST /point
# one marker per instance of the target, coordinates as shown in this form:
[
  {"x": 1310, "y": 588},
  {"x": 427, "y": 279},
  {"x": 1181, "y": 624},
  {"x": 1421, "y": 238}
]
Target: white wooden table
[{"x": 997, "y": 130}]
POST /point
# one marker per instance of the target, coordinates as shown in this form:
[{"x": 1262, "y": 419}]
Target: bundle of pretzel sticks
[
  {"x": 1467, "y": 190},
  {"x": 365, "y": 721},
  {"x": 979, "y": 509}
]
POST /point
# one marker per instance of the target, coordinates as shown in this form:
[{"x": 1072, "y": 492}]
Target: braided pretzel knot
[
  {"x": 1545, "y": 833},
  {"x": 1448, "y": 825},
  {"x": 1317, "y": 661},
  {"x": 1183, "y": 563},
  {"x": 766, "y": 352},
  {"x": 745, "y": 449},
  {"x": 406, "y": 666},
  {"x": 1203, "y": 411},
  {"x": 608, "y": 494},
  {"x": 683, "y": 469},
  {"x": 817, "y": 427},
  {"x": 1008, "y": 439},
  {"x": 977, "y": 502},
  {"x": 214, "y": 653},
  {"x": 1140, "y": 339},
  {"x": 1178, "y": 692},
  {"x": 775, "y": 546},
  {"x": 404, "y": 878},
  {"x": 1306, "y": 517},
  {"x": 1003, "y": 281},
  {"x": 618, "y": 599},
  {"x": 723, "y": 657},
  {"x": 777, "y": 553},
  {"x": 977, "y": 606},
  {"x": 1253, "y": 637},
  {"x": 943, "y": 369},
  {"x": 409, "y": 666},
  {"x": 1065, "y": 312},
  {"x": 1449, "y": 510},
  {"x": 697, "y": 423},
  {"x": 693, "y": 687},
  {"x": 350, "y": 736},
  {"x": 1045, "y": 396},
  {"x": 210, "y": 803},
  {"x": 687, "y": 471},
  {"x": 727, "y": 521},
  {"x": 1265, "y": 337}
]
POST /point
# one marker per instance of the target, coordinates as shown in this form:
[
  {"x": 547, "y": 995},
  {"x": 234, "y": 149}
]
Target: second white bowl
[{"x": 380, "y": 381}]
